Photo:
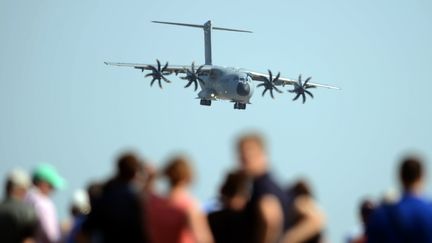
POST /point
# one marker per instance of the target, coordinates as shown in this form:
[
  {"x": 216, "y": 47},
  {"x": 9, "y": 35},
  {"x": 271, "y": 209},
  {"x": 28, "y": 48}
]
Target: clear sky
[{"x": 60, "y": 104}]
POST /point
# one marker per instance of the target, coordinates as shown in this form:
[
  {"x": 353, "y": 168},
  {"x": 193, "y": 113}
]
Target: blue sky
[{"x": 60, "y": 104}]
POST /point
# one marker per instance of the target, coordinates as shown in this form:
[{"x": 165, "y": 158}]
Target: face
[
  {"x": 45, "y": 188},
  {"x": 253, "y": 159}
]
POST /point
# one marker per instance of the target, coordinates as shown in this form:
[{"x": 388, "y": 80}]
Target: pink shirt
[
  {"x": 49, "y": 230},
  {"x": 169, "y": 222}
]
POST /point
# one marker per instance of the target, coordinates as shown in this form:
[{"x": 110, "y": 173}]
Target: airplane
[{"x": 223, "y": 83}]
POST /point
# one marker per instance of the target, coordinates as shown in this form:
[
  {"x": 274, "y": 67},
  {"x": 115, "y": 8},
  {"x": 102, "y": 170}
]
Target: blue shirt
[{"x": 408, "y": 221}]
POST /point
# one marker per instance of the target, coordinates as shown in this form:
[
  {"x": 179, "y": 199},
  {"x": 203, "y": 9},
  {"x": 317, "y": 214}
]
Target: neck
[{"x": 415, "y": 189}]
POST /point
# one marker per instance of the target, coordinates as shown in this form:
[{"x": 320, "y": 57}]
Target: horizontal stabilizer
[{"x": 208, "y": 23}]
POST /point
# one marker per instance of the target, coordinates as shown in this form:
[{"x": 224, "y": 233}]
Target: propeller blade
[
  {"x": 264, "y": 91},
  {"x": 165, "y": 79},
  {"x": 303, "y": 97},
  {"x": 297, "y": 96},
  {"x": 188, "y": 84},
  {"x": 271, "y": 93},
  {"x": 278, "y": 90},
  {"x": 160, "y": 84},
  {"x": 158, "y": 65},
  {"x": 165, "y": 67},
  {"x": 309, "y": 93},
  {"x": 148, "y": 75},
  {"x": 306, "y": 81},
  {"x": 152, "y": 82}
]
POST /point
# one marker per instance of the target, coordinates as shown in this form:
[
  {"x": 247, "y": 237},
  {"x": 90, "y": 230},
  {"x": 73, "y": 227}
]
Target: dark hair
[
  {"x": 236, "y": 183},
  {"x": 252, "y": 137},
  {"x": 411, "y": 170},
  {"x": 177, "y": 170},
  {"x": 8, "y": 187},
  {"x": 300, "y": 188},
  {"x": 366, "y": 209},
  {"x": 128, "y": 164}
]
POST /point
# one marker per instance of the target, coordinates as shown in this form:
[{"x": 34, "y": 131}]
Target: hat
[
  {"x": 19, "y": 177},
  {"x": 48, "y": 173}
]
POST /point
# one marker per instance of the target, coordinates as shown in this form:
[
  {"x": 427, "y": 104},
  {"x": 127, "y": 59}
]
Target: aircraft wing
[
  {"x": 256, "y": 76},
  {"x": 170, "y": 68}
]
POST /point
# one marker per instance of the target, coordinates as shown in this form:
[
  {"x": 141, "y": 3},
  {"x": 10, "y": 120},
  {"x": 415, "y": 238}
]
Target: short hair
[
  {"x": 178, "y": 169},
  {"x": 251, "y": 137},
  {"x": 236, "y": 183},
  {"x": 411, "y": 170},
  {"x": 128, "y": 164}
]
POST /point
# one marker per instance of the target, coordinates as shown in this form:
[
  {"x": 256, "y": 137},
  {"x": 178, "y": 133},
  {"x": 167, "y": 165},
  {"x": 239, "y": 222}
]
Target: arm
[
  {"x": 312, "y": 223},
  {"x": 270, "y": 212},
  {"x": 199, "y": 225}
]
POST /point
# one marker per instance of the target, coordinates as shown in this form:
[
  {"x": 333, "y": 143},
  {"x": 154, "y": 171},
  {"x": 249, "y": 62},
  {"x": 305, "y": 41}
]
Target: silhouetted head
[
  {"x": 301, "y": 188},
  {"x": 411, "y": 173},
  {"x": 252, "y": 154},
  {"x": 365, "y": 210},
  {"x": 128, "y": 166},
  {"x": 178, "y": 171},
  {"x": 236, "y": 190}
]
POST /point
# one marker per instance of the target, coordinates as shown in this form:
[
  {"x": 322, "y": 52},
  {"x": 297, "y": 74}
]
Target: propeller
[
  {"x": 158, "y": 72},
  {"x": 300, "y": 89},
  {"x": 192, "y": 76},
  {"x": 270, "y": 84}
]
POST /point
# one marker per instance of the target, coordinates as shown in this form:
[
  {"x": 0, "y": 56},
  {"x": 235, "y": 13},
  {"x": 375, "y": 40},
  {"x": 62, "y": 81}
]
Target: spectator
[
  {"x": 228, "y": 224},
  {"x": 79, "y": 209},
  {"x": 365, "y": 210},
  {"x": 18, "y": 220},
  {"x": 410, "y": 219},
  {"x": 116, "y": 213},
  {"x": 306, "y": 219},
  {"x": 178, "y": 217},
  {"x": 46, "y": 180},
  {"x": 267, "y": 209}
]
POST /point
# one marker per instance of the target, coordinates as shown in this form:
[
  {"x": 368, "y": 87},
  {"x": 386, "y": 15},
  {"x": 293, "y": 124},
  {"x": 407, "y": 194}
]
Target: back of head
[
  {"x": 17, "y": 183},
  {"x": 236, "y": 183},
  {"x": 411, "y": 171},
  {"x": 128, "y": 165},
  {"x": 178, "y": 170}
]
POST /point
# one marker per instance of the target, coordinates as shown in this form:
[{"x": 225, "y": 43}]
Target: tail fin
[{"x": 207, "y": 27}]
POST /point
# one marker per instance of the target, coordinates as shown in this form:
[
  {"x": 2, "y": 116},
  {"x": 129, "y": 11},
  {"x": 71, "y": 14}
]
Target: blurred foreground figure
[
  {"x": 305, "y": 219},
  {"x": 228, "y": 225},
  {"x": 267, "y": 208},
  {"x": 177, "y": 218},
  {"x": 365, "y": 210},
  {"x": 18, "y": 220},
  {"x": 116, "y": 214},
  {"x": 46, "y": 180},
  {"x": 410, "y": 219},
  {"x": 79, "y": 209}
]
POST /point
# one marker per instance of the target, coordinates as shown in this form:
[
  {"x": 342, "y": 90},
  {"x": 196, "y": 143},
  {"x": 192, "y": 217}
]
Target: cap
[
  {"x": 19, "y": 177},
  {"x": 80, "y": 200},
  {"x": 48, "y": 173}
]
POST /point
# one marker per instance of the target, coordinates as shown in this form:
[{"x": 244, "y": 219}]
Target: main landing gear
[
  {"x": 239, "y": 106},
  {"x": 205, "y": 102}
]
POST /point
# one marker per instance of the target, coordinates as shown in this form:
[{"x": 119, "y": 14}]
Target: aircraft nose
[{"x": 243, "y": 89}]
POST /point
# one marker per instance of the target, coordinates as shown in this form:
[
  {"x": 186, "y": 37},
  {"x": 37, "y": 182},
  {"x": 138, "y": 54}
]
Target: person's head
[
  {"x": 17, "y": 184},
  {"x": 252, "y": 154},
  {"x": 411, "y": 173},
  {"x": 47, "y": 179},
  {"x": 236, "y": 190},
  {"x": 365, "y": 210},
  {"x": 301, "y": 188},
  {"x": 80, "y": 203},
  {"x": 178, "y": 171},
  {"x": 129, "y": 167}
]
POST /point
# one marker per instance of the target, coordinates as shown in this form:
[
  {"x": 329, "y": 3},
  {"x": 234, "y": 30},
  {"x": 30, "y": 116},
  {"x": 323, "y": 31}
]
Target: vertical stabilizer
[{"x": 207, "y": 27}]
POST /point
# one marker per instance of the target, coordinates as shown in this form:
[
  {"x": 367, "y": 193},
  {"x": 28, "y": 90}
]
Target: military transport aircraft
[{"x": 223, "y": 83}]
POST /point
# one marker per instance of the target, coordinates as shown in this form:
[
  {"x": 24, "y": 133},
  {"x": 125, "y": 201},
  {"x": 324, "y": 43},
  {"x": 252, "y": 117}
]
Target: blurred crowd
[{"x": 252, "y": 206}]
